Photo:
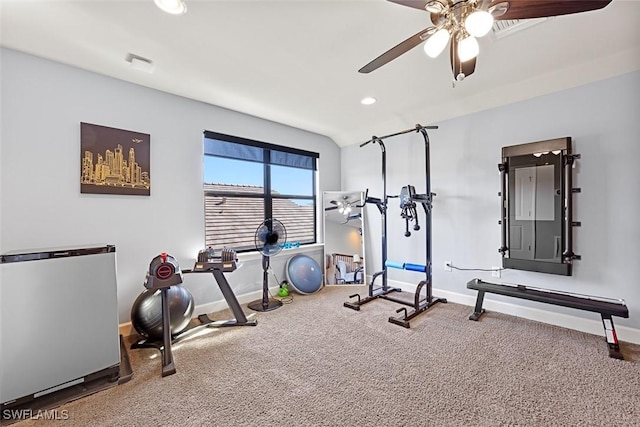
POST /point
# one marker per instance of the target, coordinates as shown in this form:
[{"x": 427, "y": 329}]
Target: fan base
[{"x": 258, "y": 305}]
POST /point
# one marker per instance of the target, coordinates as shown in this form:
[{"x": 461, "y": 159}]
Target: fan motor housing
[{"x": 270, "y": 237}]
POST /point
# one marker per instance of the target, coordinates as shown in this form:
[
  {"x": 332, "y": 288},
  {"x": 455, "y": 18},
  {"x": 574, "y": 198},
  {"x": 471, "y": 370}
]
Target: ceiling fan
[
  {"x": 344, "y": 205},
  {"x": 463, "y": 21}
]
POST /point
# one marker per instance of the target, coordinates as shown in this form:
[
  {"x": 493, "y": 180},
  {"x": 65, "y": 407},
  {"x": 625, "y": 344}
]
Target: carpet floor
[{"x": 313, "y": 362}]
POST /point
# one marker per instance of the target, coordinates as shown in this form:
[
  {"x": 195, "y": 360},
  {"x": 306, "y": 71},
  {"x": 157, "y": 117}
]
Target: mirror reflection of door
[
  {"x": 523, "y": 224},
  {"x": 535, "y": 226},
  {"x": 344, "y": 237}
]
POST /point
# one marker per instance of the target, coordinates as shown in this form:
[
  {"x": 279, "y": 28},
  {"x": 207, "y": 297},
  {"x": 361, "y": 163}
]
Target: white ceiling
[{"x": 295, "y": 62}]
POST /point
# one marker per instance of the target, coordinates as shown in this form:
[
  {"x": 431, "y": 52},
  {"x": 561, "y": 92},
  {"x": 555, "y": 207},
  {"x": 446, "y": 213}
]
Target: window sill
[{"x": 250, "y": 256}]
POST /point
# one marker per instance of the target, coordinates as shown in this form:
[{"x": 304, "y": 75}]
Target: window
[{"x": 246, "y": 182}]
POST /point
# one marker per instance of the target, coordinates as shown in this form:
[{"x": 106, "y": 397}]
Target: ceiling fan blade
[
  {"x": 416, "y": 4},
  {"x": 330, "y": 208},
  {"x": 528, "y": 9},
  {"x": 465, "y": 68},
  {"x": 398, "y": 50},
  {"x": 436, "y": 8}
]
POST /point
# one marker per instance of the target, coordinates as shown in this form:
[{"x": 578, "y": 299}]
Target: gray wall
[
  {"x": 602, "y": 119},
  {"x": 41, "y": 206},
  {"x": 42, "y": 105}
]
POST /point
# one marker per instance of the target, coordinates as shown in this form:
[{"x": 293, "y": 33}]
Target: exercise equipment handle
[
  {"x": 406, "y": 266},
  {"x": 394, "y": 264},
  {"x": 415, "y": 267}
]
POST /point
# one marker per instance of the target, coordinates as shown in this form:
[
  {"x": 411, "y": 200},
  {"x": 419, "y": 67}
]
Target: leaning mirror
[
  {"x": 344, "y": 237},
  {"x": 537, "y": 206}
]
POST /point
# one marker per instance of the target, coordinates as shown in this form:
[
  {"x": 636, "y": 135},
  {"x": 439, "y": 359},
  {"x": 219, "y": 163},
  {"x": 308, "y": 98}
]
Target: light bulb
[
  {"x": 174, "y": 7},
  {"x": 468, "y": 49},
  {"x": 436, "y": 43},
  {"x": 478, "y": 23}
]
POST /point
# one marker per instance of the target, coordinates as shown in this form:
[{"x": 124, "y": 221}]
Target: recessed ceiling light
[
  {"x": 368, "y": 101},
  {"x": 174, "y": 7}
]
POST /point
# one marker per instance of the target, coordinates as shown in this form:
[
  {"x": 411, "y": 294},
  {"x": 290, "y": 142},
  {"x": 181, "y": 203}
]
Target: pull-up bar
[{"x": 417, "y": 128}]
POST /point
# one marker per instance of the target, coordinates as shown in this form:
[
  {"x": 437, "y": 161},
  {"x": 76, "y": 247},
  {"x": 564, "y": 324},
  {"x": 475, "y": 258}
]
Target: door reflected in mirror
[
  {"x": 535, "y": 223},
  {"x": 344, "y": 237}
]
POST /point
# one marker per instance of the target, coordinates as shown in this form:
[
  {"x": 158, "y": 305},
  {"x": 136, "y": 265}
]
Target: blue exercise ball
[
  {"x": 146, "y": 312},
  {"x": 304, "y": 274}
]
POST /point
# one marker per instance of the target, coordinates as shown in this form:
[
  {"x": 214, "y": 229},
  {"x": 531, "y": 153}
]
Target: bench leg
[
  {"x": 478, "y": 310},
  {"x": 612, "y": 337}
]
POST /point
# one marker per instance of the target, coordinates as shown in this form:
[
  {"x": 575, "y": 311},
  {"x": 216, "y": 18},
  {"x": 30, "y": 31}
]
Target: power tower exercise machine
[{"x": 408, "y": 202}]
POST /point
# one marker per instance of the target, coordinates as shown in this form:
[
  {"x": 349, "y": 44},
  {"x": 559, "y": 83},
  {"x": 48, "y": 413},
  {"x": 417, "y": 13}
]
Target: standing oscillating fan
[{"x": 270, "y": 237}]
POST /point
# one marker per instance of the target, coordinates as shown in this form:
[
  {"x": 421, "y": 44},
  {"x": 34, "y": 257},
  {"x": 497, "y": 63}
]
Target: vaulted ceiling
[{"x": 296, "y": 62}]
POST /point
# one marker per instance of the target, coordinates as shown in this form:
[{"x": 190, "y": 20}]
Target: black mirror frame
[{"x": 568, "y": 256}]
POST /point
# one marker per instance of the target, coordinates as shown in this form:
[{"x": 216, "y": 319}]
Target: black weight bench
[{"x": 606, "y": 307}]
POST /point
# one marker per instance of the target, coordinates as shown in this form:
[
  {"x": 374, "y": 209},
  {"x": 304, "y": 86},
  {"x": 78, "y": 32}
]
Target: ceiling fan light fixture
[
  {"x": 174, "y": 7},
  {"x": 436, "y": 43},
  {"x": 478, "y": 23},
  {"x": 468, "y": 48}
]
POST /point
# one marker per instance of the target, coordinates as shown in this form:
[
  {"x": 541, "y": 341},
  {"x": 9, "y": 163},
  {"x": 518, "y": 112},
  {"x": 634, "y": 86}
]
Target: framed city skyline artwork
[{"x": 114, "y": 161}]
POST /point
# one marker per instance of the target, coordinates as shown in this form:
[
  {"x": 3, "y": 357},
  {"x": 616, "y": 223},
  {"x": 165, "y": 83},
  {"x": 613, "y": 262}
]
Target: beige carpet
[{"x": 315, "y": 363}]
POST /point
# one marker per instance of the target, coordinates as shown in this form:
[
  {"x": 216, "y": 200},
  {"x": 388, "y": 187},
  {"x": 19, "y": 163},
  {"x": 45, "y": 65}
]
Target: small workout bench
[{"x": 605, "y": 306}]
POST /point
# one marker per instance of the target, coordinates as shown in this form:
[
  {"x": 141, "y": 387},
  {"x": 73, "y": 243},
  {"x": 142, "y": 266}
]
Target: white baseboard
[
  {"x": 589, "y": 326},
  {"x": 127, "y": 329}
]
